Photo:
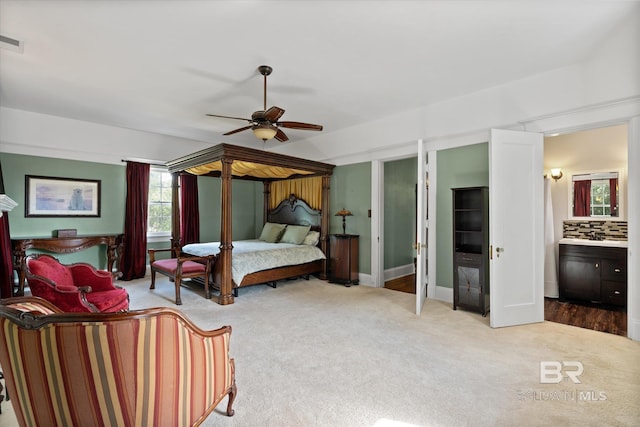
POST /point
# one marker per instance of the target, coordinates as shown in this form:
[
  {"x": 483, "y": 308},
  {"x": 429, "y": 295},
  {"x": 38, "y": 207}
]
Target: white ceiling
[{"x": 159, "y": 66}]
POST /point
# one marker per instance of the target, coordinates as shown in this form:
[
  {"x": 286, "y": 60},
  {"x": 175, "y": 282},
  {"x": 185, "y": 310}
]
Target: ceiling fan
[{"x": 264, "y": 123}]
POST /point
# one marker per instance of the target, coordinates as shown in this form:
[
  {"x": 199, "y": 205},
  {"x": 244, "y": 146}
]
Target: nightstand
[{"x": 343, "y": 259}]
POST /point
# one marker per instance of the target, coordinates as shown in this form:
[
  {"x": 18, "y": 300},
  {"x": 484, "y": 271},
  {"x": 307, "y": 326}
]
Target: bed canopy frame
[{"x": 231, "y": 161}]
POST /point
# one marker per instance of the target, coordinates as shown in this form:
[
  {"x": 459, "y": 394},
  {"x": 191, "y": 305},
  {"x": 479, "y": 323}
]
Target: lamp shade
[
  {"x": 344, "y": 212},
  {"x": 264, "y": 131},
  {"x": 6, "y": 203},
  {"x": 556, "y": 174}
]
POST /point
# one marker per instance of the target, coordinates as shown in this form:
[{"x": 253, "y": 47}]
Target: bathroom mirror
[{"x": 595, "y": 195}]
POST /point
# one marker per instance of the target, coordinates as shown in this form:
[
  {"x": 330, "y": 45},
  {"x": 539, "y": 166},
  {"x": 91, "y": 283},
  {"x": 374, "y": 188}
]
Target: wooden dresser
[
  {"x": 64, "y": 245},
  {"x": 343, "y": 259}
]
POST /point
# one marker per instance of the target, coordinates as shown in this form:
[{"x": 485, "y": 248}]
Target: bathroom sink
[{"x": 586, "y": 242}]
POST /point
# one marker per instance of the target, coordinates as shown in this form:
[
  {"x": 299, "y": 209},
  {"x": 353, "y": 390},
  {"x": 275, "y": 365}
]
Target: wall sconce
[
  {"x": 344, "y": 214},
  {"x": 6, "y": 203},
  {"x": 556, "y": 174}
]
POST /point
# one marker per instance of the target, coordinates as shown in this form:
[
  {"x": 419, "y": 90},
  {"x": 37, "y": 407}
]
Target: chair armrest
[
  {"x": 152, "y": 253},
  {"x": 70, "y": 289},
  {"x": 203, "y": 259},
  {"x": 86, "y": 275}
]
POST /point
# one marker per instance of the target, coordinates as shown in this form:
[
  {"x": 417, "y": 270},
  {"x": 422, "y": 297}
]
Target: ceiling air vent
[{"x": 11, "y": 44}]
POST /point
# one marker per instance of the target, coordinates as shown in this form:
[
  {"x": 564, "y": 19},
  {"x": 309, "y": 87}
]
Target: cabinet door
[
  {"x": 469, "y": 286},
  {"x": 339, "y": 252},
  {"x": 580, "y": 278}
]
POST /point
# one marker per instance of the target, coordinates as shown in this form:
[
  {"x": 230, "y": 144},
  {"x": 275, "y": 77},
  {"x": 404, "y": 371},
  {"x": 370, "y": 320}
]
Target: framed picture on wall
[{"x": 61, "y": 197}]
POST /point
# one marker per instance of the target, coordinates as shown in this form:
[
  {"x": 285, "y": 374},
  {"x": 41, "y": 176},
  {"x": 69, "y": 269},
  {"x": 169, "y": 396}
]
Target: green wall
[
  {"x": 246, "y": 208},
  {"x": 247, "y": 200},
  {"x": 351, "y": 189},
  {"x": 457, "y": 167},
  {"x": 112, "y": 187},
  {"x": 399, "y": 212}
]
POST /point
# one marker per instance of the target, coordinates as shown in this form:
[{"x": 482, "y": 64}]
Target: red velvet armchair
[{"x": 76, "y": 287}]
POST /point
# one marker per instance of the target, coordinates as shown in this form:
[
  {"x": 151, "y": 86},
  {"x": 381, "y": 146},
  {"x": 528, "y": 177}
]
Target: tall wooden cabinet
[
  {"x": 471, "y": 249},
  {"x": 343, "y": 259}
]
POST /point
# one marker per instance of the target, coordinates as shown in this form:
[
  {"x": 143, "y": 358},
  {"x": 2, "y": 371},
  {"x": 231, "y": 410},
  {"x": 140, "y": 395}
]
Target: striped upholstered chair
[{"x": 148, "y": 367}]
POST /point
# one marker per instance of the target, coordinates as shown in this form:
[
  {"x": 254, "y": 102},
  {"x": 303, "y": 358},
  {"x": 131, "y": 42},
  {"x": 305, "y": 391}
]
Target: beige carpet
[{"x": 309, "y": 353}]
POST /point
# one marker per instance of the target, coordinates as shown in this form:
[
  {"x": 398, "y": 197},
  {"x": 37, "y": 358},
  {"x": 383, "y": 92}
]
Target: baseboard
[
  {"x": 444, "y": 294},
  {"x": 365, "y": 279},
  {"x": 633, "y": 329},
  {"x": 400, "y": 271}
]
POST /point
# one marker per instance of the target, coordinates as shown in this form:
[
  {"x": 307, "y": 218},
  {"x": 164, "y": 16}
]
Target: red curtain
[
  {"x": 134, "y": 252},
  {"x": 190, "y": 218},
  {"x": 6, "y": 263},
  {"x": 6, "y": 260},
  {"x": 613, "y": 195},
  {"x": 582, "y": 198}
]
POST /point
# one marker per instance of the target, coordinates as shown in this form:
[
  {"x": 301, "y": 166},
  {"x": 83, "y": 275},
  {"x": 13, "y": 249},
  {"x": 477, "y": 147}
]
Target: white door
[
  {"x": 516, "y": 228},
  {"x": 421, "y": 229}
]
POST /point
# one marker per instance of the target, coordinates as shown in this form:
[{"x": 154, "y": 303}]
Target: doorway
[
  {"x": 598, "y": 149},
  {"x": 399, "y": 193}
]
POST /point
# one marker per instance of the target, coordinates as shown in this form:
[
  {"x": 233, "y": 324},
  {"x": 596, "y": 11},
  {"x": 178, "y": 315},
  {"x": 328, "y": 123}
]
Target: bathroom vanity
[{"x": 593, "y": 271}]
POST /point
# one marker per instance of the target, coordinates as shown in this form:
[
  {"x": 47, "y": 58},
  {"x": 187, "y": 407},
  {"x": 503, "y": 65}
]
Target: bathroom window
[
  {"x": 600, "y": 198},
  {"x": 595, "y": 195}
]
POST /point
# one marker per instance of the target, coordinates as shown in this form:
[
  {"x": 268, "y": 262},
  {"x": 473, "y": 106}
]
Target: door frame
[{"x": 377, "y": 213}]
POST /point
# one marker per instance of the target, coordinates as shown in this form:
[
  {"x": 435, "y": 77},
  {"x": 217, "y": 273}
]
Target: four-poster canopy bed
[{"x": 277, "y": 172}]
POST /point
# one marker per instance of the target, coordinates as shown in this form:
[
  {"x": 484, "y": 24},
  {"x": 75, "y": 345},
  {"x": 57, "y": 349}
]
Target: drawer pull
[
  {"x": 616, "y": 292},
  {"x": 617, "y": 270},
  {"x": 597, "y": 265}
]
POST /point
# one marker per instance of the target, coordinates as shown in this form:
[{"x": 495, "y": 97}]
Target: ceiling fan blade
[
  {"x": 229, "y": 117},
  {"x": 299, "y": 125},
  {"x": 238, "y": 130},
  {"x": 280, "y": 136},
  {"x": 273, "y": 114}
]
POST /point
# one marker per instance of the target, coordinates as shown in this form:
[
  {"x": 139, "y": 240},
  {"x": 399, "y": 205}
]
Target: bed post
[
  {"x": 226, "y": 243},
  {"x": 266, "y": 201},
  {"x": 175, "y": 215},
  {"x": 324, "y": 224}
]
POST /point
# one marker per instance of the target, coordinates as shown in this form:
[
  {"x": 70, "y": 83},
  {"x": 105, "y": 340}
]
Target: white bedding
[{"x": 250, "y": 256}]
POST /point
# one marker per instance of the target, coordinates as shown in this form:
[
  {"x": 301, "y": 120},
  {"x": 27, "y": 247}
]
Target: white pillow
[{"x": 312, "y": 238}]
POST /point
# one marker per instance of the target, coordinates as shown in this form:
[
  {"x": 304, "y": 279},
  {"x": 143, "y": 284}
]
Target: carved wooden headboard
[{"x": 296, "y": 212}]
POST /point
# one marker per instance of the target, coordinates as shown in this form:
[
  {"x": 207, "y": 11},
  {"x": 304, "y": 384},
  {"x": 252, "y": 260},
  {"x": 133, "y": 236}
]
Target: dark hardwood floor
[
  {"x": 613, "y": 321},
  {"x": 403, "y": 284}
]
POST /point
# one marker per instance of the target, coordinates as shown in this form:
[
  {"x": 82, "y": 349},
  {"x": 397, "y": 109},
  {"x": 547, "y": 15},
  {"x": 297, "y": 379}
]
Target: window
[
  {"x": 159, "y": 215},
  {"x": 600, "y": 198}
]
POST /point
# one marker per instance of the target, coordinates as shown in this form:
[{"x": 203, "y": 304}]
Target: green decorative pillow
[
  {"x": 295, "y": 234},
  {"x": 271, "y": 232},
  {"x": 312, "y": 238}
]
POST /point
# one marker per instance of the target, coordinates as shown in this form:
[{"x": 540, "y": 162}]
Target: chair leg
[
  {"x": 178, "y": 281},
  {"x": 207, "y": 291},
  {"x": 232, "y": 397},
  {"x": 153, "y": 279}
]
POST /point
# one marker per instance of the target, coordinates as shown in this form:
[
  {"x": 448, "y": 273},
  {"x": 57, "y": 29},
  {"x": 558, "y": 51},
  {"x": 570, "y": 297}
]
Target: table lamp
[{"x": 344, "y": 214}]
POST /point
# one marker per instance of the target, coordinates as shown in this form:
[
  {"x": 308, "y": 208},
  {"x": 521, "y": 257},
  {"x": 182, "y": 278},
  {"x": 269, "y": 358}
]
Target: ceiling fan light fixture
[{"x": 264, "y": 131}]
